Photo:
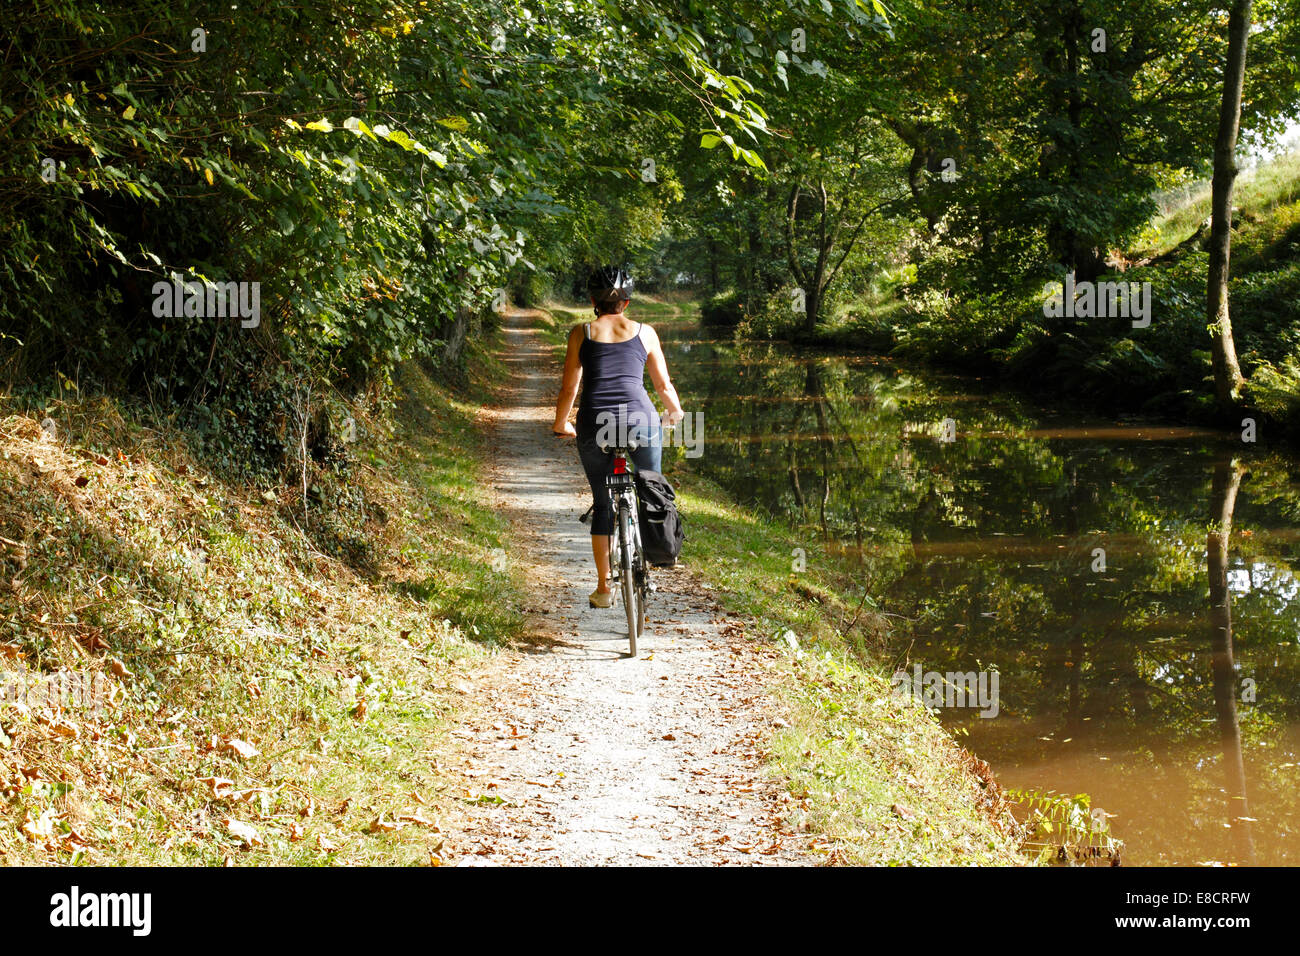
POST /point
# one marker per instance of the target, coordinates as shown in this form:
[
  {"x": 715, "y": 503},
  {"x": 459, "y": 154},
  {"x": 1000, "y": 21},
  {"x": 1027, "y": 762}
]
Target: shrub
[
  {"x": 1276, "y": 390},
  {"x": 946, "y": 329},
  {"x": 531, "y": 288},
  {"x": 722, "y": 311},
  {"x": 771, "y": 318}
]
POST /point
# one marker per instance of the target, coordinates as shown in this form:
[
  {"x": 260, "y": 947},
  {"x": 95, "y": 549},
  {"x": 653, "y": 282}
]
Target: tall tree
[
  {"x": 862, "y": 184},
  {"x": 1227, "y": 373}
]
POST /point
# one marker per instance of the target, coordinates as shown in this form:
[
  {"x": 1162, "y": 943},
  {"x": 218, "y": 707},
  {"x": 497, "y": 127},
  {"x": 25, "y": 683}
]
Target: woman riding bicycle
[{"x": 610, "y": 356}]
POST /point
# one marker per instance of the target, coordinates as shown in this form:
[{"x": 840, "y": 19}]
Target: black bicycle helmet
[{"x": 610, "y": 284}]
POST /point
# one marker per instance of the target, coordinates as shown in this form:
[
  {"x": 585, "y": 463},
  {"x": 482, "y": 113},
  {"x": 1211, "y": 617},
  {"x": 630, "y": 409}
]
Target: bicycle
[{"x": 630, "y": 572}]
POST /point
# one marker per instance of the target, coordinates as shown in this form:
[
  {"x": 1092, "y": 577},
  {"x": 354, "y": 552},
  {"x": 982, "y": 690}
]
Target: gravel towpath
[{"x": 580, "y": 754}]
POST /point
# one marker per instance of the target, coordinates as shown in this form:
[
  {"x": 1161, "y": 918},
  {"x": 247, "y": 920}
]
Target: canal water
[{"x": 1132, "y": 584}]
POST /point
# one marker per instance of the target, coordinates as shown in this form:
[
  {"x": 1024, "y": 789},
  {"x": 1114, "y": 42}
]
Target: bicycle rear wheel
[
  {"x": 642, "y": 574},
  {"x": 640, "y": 603},
  {"x": 631, "y": 592}
]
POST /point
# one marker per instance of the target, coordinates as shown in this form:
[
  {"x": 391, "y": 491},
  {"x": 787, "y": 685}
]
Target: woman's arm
[
  {"x": 658, "y": 366},
  {"x": 568, "y": 384}
]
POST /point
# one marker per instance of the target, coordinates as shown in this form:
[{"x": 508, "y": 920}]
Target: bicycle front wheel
[{"x": 631, "y": 593}]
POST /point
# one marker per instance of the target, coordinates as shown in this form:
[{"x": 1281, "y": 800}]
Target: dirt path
[{"x": 597, "y": 758}]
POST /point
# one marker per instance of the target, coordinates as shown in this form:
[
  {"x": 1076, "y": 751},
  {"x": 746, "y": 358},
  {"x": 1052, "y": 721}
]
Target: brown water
[{"x": 1163, "y": 686}]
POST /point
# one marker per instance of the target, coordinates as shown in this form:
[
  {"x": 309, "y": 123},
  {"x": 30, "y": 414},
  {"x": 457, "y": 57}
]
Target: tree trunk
[
  {"x": 812, "y": 306},
  {"x": 1062, "y": 155},
  {"x": 813, "y": 283},
  {"x": 1227, "y": 374},
  {"x": 824, "y": 242},
  {"x": 454, "y": 332}
]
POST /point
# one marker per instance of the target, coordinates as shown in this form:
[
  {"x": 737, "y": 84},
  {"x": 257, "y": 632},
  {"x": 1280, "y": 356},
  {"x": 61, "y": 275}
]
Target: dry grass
[{"x": 271, "y": 703}]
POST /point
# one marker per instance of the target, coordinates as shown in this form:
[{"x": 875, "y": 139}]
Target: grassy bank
[
  {"x": 874, "y": 773},
  {"x": 875, "y": 776},
  {"x": 274, "y": 684}
]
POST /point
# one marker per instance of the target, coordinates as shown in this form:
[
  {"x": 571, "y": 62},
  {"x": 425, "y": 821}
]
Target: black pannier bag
[{"x": 661, "y": 526}]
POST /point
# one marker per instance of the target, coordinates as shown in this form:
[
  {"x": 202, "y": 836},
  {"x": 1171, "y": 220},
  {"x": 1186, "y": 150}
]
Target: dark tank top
[{"x": 613, "y": 381}]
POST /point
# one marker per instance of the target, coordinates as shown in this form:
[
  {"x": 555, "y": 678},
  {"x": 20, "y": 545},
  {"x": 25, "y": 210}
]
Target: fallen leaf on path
[
  {"x": 243, "y": 832},
  {"x": 240, "y": 748},
  {"x": 41, "y": 828},
  {"x": 217, "y": 784},
  {"x": 417, "y": 820}
]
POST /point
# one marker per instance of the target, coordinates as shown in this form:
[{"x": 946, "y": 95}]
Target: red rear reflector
[{"x": 620, "y": 466}]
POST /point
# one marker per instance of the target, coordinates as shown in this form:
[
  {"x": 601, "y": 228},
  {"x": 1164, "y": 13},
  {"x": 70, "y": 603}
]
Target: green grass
[
  {"x": 1269, "y": 193},
  {"x": 122, "y": 550}
]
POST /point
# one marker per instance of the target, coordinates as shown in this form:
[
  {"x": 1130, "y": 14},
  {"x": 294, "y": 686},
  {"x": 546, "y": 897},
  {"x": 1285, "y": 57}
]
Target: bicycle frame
[{"x": 627, "y": 562}]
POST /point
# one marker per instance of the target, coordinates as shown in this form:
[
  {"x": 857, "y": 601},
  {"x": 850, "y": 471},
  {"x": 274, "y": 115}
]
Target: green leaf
[{"x": 359, "y": 127}]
